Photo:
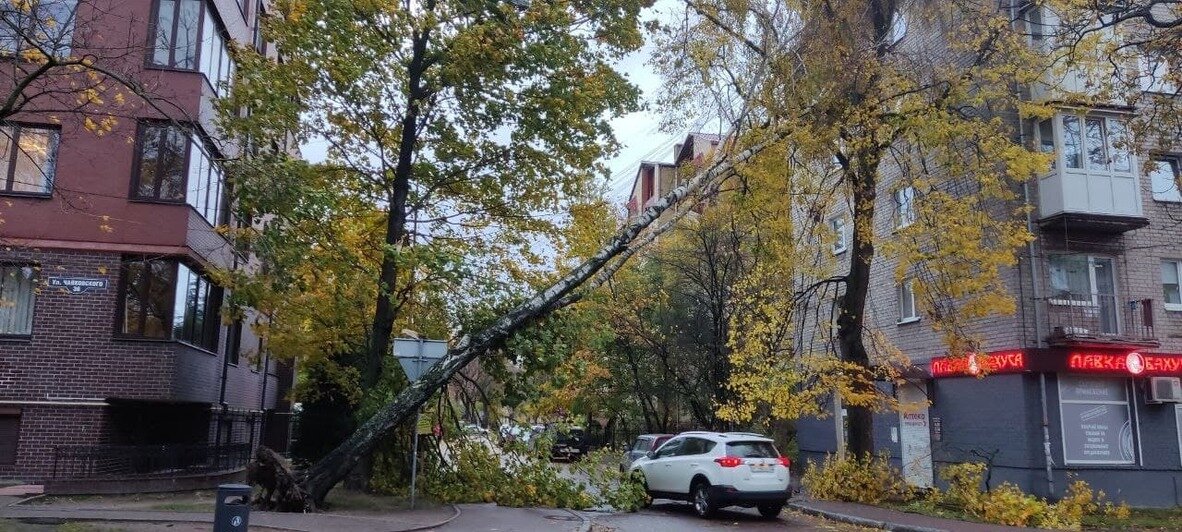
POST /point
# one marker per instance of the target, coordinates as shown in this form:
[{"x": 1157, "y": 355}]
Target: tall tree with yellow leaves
[{"x": 866, "y": 101}]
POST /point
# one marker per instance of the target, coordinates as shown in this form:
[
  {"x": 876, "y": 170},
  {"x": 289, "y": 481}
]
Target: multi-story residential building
[
  {"x": 1082, "y": 382},
  {"x": 115, "y": 358},
  {"x": 655, "y": 179}
]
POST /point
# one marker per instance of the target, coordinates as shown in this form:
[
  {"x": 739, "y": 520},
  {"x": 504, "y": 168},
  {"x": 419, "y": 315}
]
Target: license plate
[{"x": 761, "y": 468}]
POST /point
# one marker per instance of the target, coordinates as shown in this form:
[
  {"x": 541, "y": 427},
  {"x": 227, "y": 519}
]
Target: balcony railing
[
  {"x": 126, "y": 461},
  {"x": 1102, "y": 319}
]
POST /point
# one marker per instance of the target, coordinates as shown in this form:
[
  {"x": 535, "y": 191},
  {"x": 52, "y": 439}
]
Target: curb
[
  {"x": 53, "y": 519},
  {"x": 585, "y": 525},
  {"x": 860, "y": 521}
]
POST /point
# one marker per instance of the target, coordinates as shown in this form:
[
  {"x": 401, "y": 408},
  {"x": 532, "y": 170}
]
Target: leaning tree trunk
[{"x": 326, "y": 473}]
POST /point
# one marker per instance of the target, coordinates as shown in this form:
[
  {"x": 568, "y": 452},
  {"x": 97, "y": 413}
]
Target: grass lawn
[{"x": 1140, "y": 519}]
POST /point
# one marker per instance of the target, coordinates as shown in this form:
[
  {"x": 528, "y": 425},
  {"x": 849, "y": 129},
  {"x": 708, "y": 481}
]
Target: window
[
  {"x": 1096, "y": 143},
  {"x": 188, "y": 36},
  {"x": 906, "y": 295},
  {"x": 260, "y": 14},
  {"x": 752, "y": 449},
  {"x": 837, "y": 224},
  {"x": 672, "y": 448},
  {"x": 45, "y": 26},
  {"x": 1164, "y": 178},
  {"x": 175, "y": 165},
  {"x": 10, "y": 432},
  {"x": 1171, "y": 284},
  {"x": 904, "y": 207},
  {"x": 1085, "y": 281},
  {"x": 169, "y": 301},
  {"x": 17, "y": 293},
  {"x": 1096, "y": 424},
  {"x": 160, "y": 171},
  {"x": 28, "y": 158},
  {"x": 898, "y": 27},
  {"x": 696, "y": 446},
  {"x": 196, "y": 309}
]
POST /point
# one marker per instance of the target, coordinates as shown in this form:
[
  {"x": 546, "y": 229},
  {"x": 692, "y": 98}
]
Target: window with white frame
[
  {"x": 1164, "y": 178},
  {"x": 44, "y": 26},
  {"x": 1086, "y": 281},
  {"x": 1171, "y": 284},
  {"x": 189, "y": 36},
  {"x": 17, "y": 293},
  {"x": 840, "y": 234},
  {"x": 1095, "y": 420},
  {"x": 906, "y": 298},
  {"x": 904, "y": 206}
]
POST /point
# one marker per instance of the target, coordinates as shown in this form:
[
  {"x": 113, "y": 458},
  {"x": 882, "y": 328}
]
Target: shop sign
[
  {"x": 1134, "y": 363},
  {"x": 77, "y": 285},
  {"x": 977, "y": 363},
  {"x": 1100, "y": 362}
]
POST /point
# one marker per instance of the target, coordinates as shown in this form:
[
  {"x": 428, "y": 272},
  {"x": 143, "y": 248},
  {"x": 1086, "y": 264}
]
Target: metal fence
[
  {"x": 122, "y": 461},
  {"x": 1096, "y": 316}
]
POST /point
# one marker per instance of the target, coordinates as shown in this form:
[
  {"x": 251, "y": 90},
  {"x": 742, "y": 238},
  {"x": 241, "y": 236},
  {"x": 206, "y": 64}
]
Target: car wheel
[
  {"x": 703, "y": 504},
  {"x": 770, "y": 511}
]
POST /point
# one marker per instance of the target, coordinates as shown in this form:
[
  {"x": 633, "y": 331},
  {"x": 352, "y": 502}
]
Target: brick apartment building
[
  {"x": 114, "y": 358},
  {"x": 1082, "y": 380}
]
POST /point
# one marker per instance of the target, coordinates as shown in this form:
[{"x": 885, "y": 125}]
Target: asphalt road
[{"x": 660, "y": 517}]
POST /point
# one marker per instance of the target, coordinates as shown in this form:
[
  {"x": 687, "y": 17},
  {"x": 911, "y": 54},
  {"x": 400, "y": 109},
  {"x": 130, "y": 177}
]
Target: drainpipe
[
  {"x": 1036, "y": 294},
  {"x": 263, "y": 397}
]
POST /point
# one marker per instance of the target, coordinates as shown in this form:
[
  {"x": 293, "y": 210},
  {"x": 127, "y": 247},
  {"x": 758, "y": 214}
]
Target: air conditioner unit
[{"x": 1164, "y": 390}]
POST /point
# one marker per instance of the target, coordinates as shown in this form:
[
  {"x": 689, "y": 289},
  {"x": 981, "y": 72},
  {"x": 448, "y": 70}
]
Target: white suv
[{"x": 717, "y": 469}]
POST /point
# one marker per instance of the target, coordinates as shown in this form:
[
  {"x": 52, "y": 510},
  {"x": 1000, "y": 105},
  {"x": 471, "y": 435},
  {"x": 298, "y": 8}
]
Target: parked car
[
  {"x": 713, "y": 470},
  {"x": 570, "y": 443},
  {"x": 643, "y": 444}
]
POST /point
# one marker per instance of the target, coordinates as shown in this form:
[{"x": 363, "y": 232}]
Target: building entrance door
[{"x": 915, "y": 435}]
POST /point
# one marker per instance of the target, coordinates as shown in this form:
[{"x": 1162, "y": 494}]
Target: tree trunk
[
  {"x": 851, "y": 321},
  {"x": 382, "y": 327},
  {"x": 326, "y": 473}
]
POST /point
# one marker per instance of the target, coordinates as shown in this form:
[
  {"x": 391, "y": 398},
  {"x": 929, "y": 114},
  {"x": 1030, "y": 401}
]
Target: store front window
[{"x": 1096, "y": 420}]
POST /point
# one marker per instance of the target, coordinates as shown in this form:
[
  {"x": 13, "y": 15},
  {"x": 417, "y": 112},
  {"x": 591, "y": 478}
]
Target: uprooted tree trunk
[
  {"x": 270, "y": 472},
  {"x": 326, "y": 473}
]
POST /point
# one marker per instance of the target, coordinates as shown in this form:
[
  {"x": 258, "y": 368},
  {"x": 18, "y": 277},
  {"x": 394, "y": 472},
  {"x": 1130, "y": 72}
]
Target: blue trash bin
[{"x": 232, "y": 512}]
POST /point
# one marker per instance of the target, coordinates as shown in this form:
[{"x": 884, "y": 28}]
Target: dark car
[
  {"x": 570, "y": 443},
  {"x": 643, "y": 444}
]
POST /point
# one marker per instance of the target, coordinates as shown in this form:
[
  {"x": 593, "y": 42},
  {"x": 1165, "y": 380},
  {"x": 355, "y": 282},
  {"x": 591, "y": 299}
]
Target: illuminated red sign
[
  {"x": 1133, "y": 363},
  {"x": 977, "y": 363}
]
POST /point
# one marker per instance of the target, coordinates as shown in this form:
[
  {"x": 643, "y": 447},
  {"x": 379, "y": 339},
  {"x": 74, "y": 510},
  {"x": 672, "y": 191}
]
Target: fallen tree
[{"x": 325, "y": 474}]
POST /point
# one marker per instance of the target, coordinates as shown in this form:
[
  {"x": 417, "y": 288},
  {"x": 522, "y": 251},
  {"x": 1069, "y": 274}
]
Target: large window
[
  {"x": 1171, "y": 284},
  {"x": 1097, "y": 427},
  {"x": 169, "y": 301},
  {"x": 17, "y": 292},
  {"x": 44, "y": 26},
  {"x": 28, "y": 158},
  {"x": 188, "y": 36},
  {"x": 196, "y": 308},
  {"x": 1164, "y": 178},
  {"x": 175, "y": 165}
]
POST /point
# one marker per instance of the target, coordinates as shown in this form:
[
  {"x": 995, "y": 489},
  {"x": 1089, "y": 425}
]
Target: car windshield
[
  {"x": 752, "y": 449},
  {"x": 642, "y": 444}
]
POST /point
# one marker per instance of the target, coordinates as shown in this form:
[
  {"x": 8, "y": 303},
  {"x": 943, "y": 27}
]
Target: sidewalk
[
  {"x": 316, "y": 522},
  {"x": 887, "y": 519}
]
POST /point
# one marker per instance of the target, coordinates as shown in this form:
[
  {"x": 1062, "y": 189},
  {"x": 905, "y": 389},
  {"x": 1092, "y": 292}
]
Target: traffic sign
[{"x": 417, "y": 356}]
